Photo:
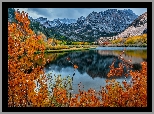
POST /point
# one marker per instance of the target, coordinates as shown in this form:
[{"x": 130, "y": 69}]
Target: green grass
[{"x": 65, "y": 50}]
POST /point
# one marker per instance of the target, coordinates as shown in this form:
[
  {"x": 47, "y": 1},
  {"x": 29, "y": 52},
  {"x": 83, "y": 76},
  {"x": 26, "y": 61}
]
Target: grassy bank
[{"x": 67, "y": 50}]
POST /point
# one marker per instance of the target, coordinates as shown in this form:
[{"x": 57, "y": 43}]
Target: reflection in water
[
  {"x": 136, "y": 56},
  {"x": 93, "y": 66}
]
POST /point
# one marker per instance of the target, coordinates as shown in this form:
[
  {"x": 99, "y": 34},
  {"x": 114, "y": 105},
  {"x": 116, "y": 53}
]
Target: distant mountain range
[
  {"x": 111, "y": 22},
  {"x": 95, "y": 25},
  {"x": 55, "y": 22}
]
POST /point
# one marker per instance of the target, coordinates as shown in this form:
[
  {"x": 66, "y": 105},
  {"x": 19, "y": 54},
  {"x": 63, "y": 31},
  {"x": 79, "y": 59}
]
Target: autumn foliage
[
  {"x": 138, "y": 40},
  {"x": 22, "y": 43},
  {"x": 24, "y": 75}
]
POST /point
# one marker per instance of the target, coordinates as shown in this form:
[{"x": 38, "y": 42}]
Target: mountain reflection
[{"x": 96, "y": 62}]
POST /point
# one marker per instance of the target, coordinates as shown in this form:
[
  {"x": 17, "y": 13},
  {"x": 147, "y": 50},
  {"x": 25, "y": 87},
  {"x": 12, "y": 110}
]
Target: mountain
[
  {"x": 55, "y": 22},
  {"x": 65, "y": 20},
  {"x": 95, "y": 25},
  {"x": 137, "y": 27},
  {"x": 90, "y": 28}
]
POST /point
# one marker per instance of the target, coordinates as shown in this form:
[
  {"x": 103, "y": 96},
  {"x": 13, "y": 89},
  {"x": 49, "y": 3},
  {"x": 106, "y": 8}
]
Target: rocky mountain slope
[
  {"x": 90, "y": 28},
  {"x": 55, "y": 22},
  {"x": 137, "y": 27},
  {"x": 95, "y": 25}
]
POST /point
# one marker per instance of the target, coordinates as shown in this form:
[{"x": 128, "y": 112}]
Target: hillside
[
  {"x": 137, "y": 27},
  {"x": 90, "y": 28},
  {"x": 135, "y": 30}
]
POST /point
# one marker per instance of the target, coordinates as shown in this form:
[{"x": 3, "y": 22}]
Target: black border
[{"x": 6, "y": 5}]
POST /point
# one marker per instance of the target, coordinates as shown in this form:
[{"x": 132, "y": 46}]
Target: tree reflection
[{"x": 94, "y": 63}]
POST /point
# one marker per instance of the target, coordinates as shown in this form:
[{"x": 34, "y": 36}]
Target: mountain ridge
[
  {"x": 137, "y": 27},
  {"x": 106, "y": 23},
  {"x": 90, "y": 28}
]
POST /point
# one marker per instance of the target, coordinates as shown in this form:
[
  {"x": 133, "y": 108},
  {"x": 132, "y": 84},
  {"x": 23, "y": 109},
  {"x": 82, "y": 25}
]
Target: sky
[{"x": 70, "y": 13}]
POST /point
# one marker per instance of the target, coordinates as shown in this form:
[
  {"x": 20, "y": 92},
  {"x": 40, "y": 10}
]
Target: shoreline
[
  {"x": 123, "y": 45},
  {"x": 66, "y": 50},
  {"x": 80, "y": 49}
]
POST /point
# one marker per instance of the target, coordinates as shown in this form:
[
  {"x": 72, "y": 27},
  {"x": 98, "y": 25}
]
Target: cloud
[
  {"x": 40, "y": 11},
  {"x": 30, "y": 12},
  {"x": 71, "y": 13}
]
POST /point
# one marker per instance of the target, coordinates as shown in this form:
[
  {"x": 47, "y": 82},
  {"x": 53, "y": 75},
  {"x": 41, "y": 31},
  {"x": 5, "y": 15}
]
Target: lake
[{"x": 93, "y": 65}]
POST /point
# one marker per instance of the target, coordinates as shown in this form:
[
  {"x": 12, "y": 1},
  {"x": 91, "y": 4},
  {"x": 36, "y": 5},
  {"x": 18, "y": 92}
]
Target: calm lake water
[{"x": 93, "y": 65}]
